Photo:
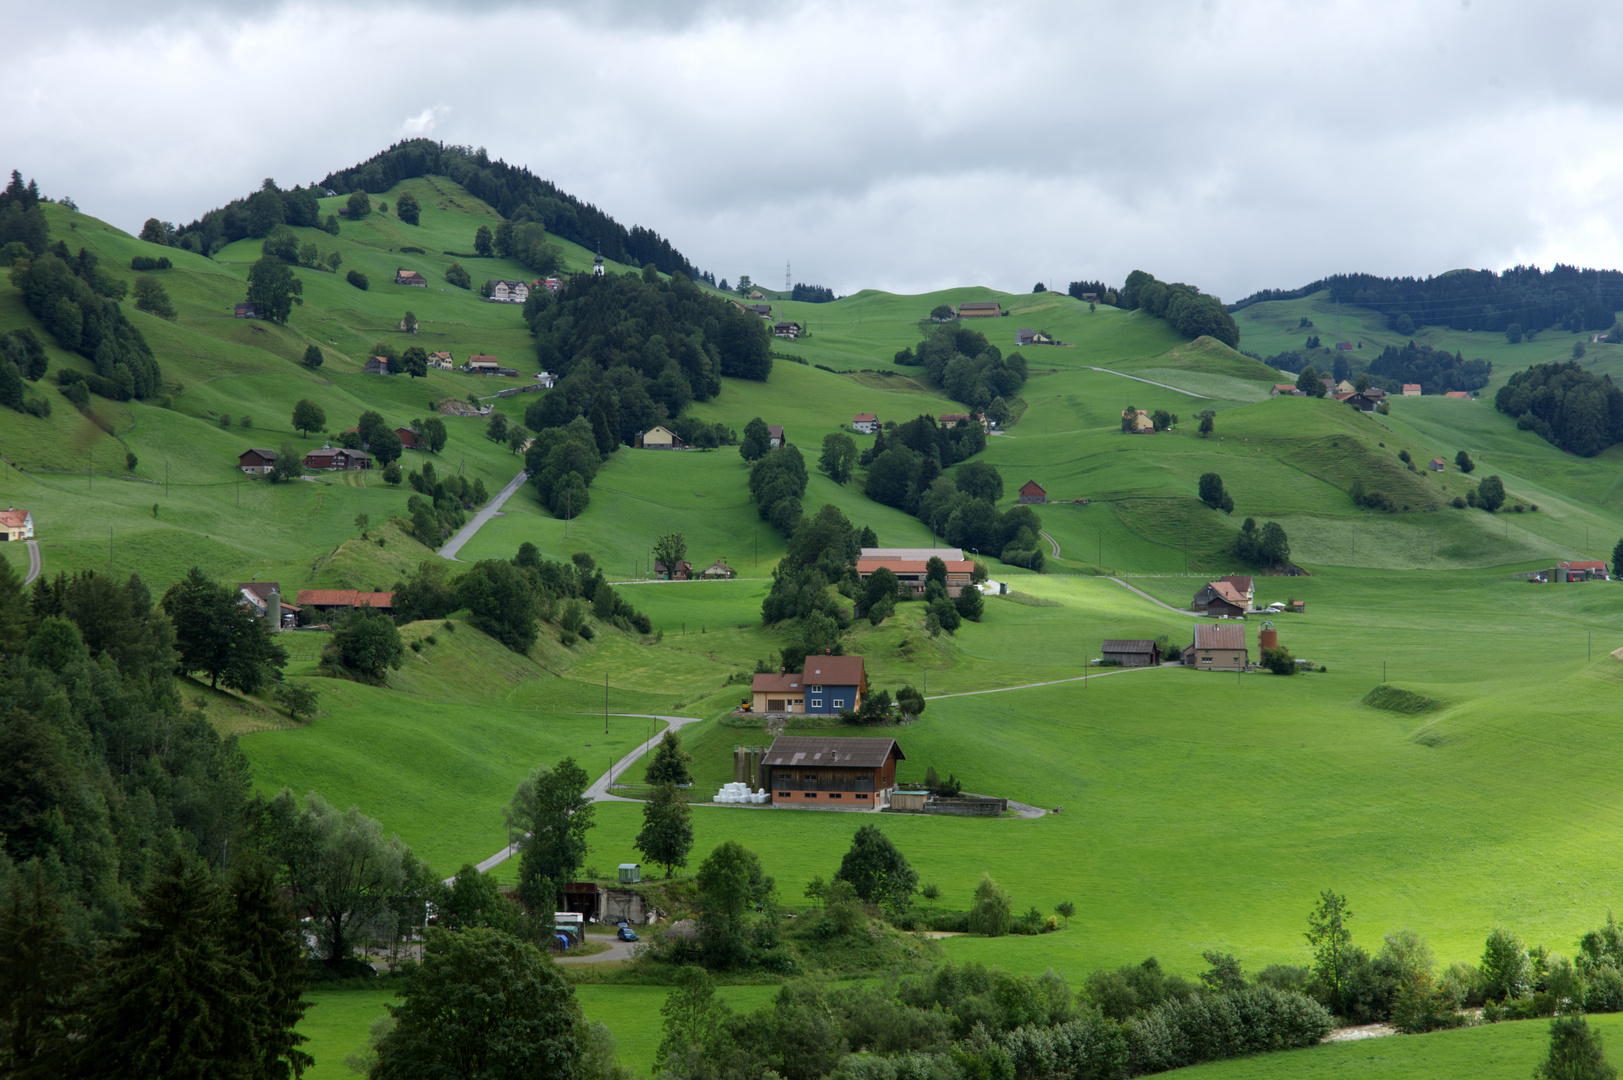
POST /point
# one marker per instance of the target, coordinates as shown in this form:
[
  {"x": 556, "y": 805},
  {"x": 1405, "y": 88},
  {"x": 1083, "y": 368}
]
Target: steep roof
[
  {"x": 1031, "y": 487},
  {"x": 1219, "y": 637},
  {"x": 775, "y": 430},
  {"x": 1228, "y": 592},
  {"x": 268, "y": 455},
  {"x": 834, "y": 670},
  {"x": 863, "y": 418},
  {"x": 1243, "y": 584},
  {"x": 775, "y": 683},
  {"x": 831, "y": 750},
  {"x": 13, "y": 519},
  {"x": 261, "y": 589},
  {"x": 1133, "y": 645}
]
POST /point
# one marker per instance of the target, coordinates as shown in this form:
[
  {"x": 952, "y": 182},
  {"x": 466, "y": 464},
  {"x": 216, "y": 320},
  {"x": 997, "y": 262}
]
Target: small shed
[
  {"x": 630, "y": 873},
  {"x": 1130, "y": 652},
  {"x": 1032, "y": 492},
  {"x": 1438, "y": 465},
  {"x": 909, "y": 802}
]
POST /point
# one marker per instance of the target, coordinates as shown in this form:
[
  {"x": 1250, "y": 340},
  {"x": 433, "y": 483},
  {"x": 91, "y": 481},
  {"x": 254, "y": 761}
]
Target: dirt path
[
  {"x": 488, "y": 511},
  {"x": 1051, "y": 542},
  {"x": 1152, "y": 382},
  {"x": 1153, "y": 600},
  {"x": 1050, "y": 682},
  {"x": 599, "y": 791},
  {"x": 33, "y": 562}
]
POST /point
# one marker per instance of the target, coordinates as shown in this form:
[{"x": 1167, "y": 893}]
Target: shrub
[
  {"x": 1211, "y": 1027},
  {"x": 1279, "y": 661},
  {"x": 357, "y": 279}
]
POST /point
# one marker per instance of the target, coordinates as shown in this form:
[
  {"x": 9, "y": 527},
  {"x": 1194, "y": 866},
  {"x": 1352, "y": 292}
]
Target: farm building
[
  {"x": 1218, "y": 648},
  {"x": 16, "y": 524},
  {"x": 1220, "y": 598},
  {"x": 1130, "y": 652},
  {"x": 1344, "y": 387},
  {"x": 763, "y": 310},
  {"x": 790, "y": 330},
  {"x": 264, "y": 599},
  {"x": 662, "y": 438},
  {"x": 378, "y": 365},
  {"x": 248, "y": 310},
  {"x": 545, "y": 379},
  {"x": 775, "y": 437},
  {"x": 953, "y": 419},
  {"x": 482, "y": 365},
  {"x": 1285, "y": 389},
  {"x": 441, "y": 360},
  {"x": 410, "y": 277},
  {"x": 552, "y": 284},
  {"x": 831, "y": 770},
  {"x": 828, "y": 685},
  {"x": 508, "y": 292},
  {"x": 911, "y": 567},
  {"x": 1437, "y": 464},
  {"x": 865, "y": 422},
  {"x": 1244, "y": 585},
  {"x": 325, "y": 601},
  {"x": 684, "y": 571},
  {"x": 717, "y": 571},
  {"x": 1031, "y": 337},
  {"x": 256, "y": 462},
  {"x": 1580, "y": 571},
  {"x": 1364, "y": 401},
  {"x": 1461, "y": 394},
  {"x": 1032, "y": 492},
  {"x": 408, "y": 439},
  {"x": 337, "y": 458},
  {"x": 1137, "y": 422},
  {"x": 980, "y": 309},
  {"x": 1344, "y": 346},
  {"x": 1411, "y": 389}
]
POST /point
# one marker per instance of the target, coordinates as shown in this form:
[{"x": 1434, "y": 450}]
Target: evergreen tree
[
  {"x": 1576, "y": 1053},
  {"x": 174, "y": 999},
  {"x": 40, "y": 969},
  {"x": 261, "y": 930},
  {"x": 667, "y": 828},
  {"x": 670, "y": 764}
]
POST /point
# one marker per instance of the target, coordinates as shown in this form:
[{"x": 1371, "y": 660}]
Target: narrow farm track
[
  {"x": 1051, "y": 542},
  {"x": 1152, "y": 382},
  {"x": 1050, "y": 682},
  {"x": 488, "y": 511},
  {"x": 33, "y": 562},
  {"x": 1153, "y": 600},
  {"x": 599, "y": 791}
]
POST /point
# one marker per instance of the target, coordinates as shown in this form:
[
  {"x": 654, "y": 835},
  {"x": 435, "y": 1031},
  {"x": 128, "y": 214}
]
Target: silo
[
  {"x": 273, "y": 609},
  {"x": 1269, "y": 638}
]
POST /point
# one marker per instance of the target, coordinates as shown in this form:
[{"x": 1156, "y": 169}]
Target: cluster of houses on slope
[
  {"x": 16, "y": 524},
  {"x": 1211, "y": 648},
  {"x": 264, "y": 598},
  {"x": 783, "y": 328},
  {"x": 257, "y": 461},
  {"x": 1364, "y": 400}
]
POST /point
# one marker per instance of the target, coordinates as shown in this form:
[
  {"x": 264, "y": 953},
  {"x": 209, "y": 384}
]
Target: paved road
[
  {"x": 599, "y": 791},
  {"x": 618, "y": 950},
  {"x": 33, "y": 562},
  {"x": 464, "y": 534},
  {"x": 1153, "y": 600},
  {"x": 1152, "y": 382}
]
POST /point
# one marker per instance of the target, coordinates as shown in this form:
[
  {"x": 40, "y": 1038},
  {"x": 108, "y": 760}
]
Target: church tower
[{"x": 597, "y": 263}]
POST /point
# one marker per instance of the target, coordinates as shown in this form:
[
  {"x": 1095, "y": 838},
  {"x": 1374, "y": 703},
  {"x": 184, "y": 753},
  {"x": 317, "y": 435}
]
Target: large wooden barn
[{"x": 831, "y": 771}]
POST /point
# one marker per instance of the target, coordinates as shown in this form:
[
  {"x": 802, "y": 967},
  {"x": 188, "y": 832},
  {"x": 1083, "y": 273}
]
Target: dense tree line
[
  {"x": 1574, "y": 409},
  {"x": 811, "y": 294},
  {"x": 1189, "y": 311},
  {"x": 22, "y": 219},
  {"x": 1098, "y": 288},
  {"x": 966, "y": 366},
  {"x": 1435, "y": 370},
  {"x": 516, "y": 193},
  {"x": 77, "y": 300},
  {"x": 22, "y": 357},
  {"x": 1567, "y": 297}
]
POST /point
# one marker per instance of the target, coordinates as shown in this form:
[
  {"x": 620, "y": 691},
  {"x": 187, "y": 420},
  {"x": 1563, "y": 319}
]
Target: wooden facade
[{"x": 831, "y": 771}]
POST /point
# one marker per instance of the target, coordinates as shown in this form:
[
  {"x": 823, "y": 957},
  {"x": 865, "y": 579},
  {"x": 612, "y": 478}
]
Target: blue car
[{"x": 625, "y": 933}]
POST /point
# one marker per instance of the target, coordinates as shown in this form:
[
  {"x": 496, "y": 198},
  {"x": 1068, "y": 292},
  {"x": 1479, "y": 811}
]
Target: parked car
[{"x": 625, "y": 933}]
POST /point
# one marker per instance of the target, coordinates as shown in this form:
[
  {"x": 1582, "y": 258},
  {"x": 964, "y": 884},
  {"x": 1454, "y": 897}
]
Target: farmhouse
[
  {"x": 1130, "y": 652},
  {"x": 911, "y": 567},
  {"x": 1218, "y": 648},
  {"x": 828, "y": 685},
  {"x": 790, "y": 330},
  {"x": 1032, "y": 337},
  {"x": 441, "y": 360},
  {"x": 684, "y": 571},
  {"x": 1411, "y": 389},
  {"x": 980, "y": 309},
  {"x": 763, "y": 310},
  {"x": 1580, "y": 571},
  {"x": 1287, "y": 389},
  {"x": 325, "y": 601},
  {"x": 775, "y": 437},
  {"x": 1345, "y": 387},
  {"x": 480, "y": 364},
  {"x": 718, "y": 571},
  {"x": 1461, "y": 394},
  {"x": 16, "y": 524},
  {"x": 256, "y": 462},
  {"x": 264, "y": 599},
  {"x": 410, "y": 277},
  {"x": 1221, "y": 598},
  {"x": 832, "y": 771},
  {"x": 248, "y": 310},
  {"x": 953, "y": 419},
  {"x": 865, "y": 422},
  {"x": 662, "y": 438},
  {"x": 337, "y": 458},
  {"x": 508, "y": 292},
  {"x": 378, "y": 365},
  {"x": 1364, "y": 402},
  {"x": 409, "y": 439},
  {"x": 1032, "y": 492},
  {"x": 1137, "y": 422},
  {"x": 1344, "y": 346}
]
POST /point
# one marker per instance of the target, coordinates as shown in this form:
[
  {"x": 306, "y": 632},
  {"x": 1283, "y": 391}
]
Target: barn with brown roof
[
  {"x": 1130, "y": 652},
  {"x": 980, "y": 309},
  {"x": 1218, "y": 648},
  {"x": 831, "y": 771},
  {"x": 1221, "y": 598}
]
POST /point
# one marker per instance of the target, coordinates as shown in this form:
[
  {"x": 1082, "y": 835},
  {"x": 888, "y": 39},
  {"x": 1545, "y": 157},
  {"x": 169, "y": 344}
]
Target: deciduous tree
[
  {"x": 757, "y": 440},
  {"x": 307, "y": 415},
  {"x": 274, "y": 289},
  {"x": 670, "y": 550},
  {"x": 483, "y": 242},
  {"x": 877, "y": 871},
  {"x": 839, "y": 456},
  {"x": 667, "y": 828},
  {"x": 1213, "y": 494},
  {"x": 991, "y": 913},
  {"x": 406, "y": 208},
  {"x": 547, "y": 820}
]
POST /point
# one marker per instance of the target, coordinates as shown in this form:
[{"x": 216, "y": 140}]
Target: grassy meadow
[{"x": 1200, "y": 811}]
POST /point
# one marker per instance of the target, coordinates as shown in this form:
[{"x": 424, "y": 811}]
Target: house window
[
  {"x": 808, "y": 776},
  {"x": 783, "y": 794},
  {"x": 817, "y": 703},
  {"x": 839, "y": 703},
  {"x": 835, "y": 795},
  {"x": 809, "y": 794},
  {"x": 1205, "y": 659},
  {"x": 815, "y": 689}
]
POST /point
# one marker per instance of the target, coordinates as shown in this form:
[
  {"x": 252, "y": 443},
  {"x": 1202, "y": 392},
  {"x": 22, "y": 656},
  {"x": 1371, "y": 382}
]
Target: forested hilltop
[
  {"x": 1522, "y": 299},
  {"x": 516, "y": 193}
]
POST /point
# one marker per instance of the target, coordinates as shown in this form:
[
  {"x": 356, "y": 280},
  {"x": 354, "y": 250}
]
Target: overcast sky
[{"x": 902, "y": 146}]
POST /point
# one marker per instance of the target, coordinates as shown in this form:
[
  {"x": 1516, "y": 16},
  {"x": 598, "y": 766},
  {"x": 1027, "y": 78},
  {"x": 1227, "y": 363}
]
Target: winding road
[
  {"x": 33, "y": 562},
  {"x": 486, "y": 512}
]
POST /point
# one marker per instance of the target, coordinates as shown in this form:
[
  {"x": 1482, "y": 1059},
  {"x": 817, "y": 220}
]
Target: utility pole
[
  {"x": 605, "y": 703},
  {"x": 569, "y": 495},
  {"x": 1383, "y": 672},
  {"x": 166, "y": 479},
  {"x": 109, "y": 551}
]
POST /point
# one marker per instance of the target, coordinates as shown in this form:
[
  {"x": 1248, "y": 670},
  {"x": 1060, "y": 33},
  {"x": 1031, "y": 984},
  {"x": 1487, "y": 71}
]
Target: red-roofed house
[
  {"x": 16, "y": 524},
  {"x": 1221, "y": 599},
  {"x": 828, "y": 685},
  {"x": 1438, "y": 465},
  {"x": 410, "y": 277},
  {"x": 336, "y": 457},
  {"x": 1580, "y": 571},
  {"x": 912, "y": 572},
  {"x": 323, "y": 601},
  {"x": 865, "y": 422},
  {"x": 774, "y": 434},
  {"x": 1458, "y": 394},
  {"x": 1032, "y": 492},
  {"x": 1288, "y": 389}
]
